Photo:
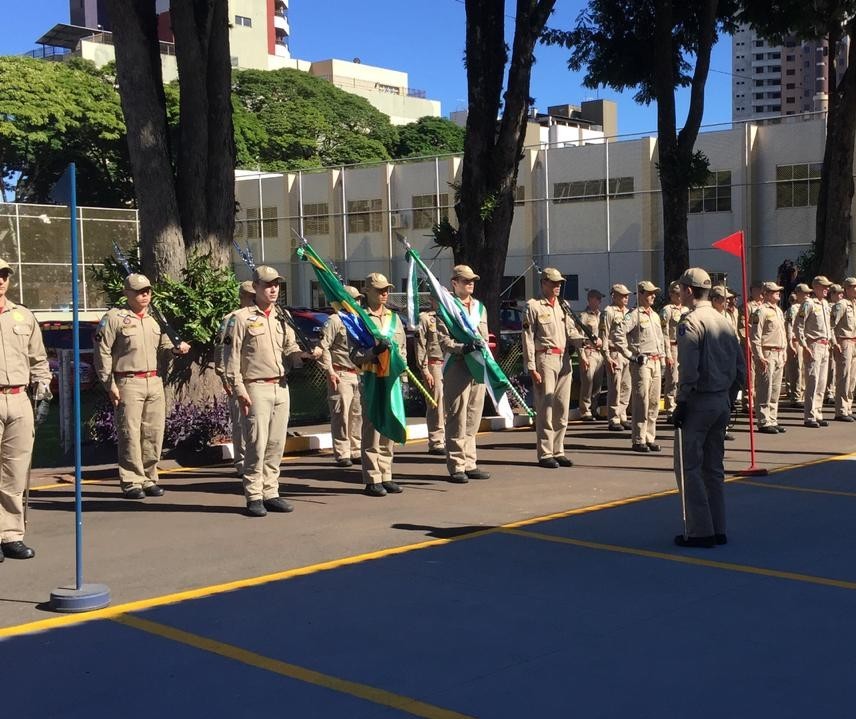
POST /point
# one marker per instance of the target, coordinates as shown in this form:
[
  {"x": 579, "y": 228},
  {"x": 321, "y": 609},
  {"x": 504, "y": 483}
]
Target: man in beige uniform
[
  {"x": 23, "y": 363},
  {"x": 246, "y": 297},
  {"x": 128, "y": 342},
  {"x": 591, "y": 359},
  {"x": 767, "y": 340},
  {"x": 843, "y": 323},
  {"x": 263, "y": 349},
  {"x": 719, "y": 296},
  {"x": 670, "y": 316},
  {"x": 463, "y": 397},
  {"x": 733, "y": 313},
  {"x": 794, "y": 369},
  {"x": 377, "y": 450},
  {"x": 343, "y": 388},
  {"x": 549, "y": 339},
  {"x": 640, "y": 340},
  {"x": 812, "y": 332},
  {"x": 836, "y": 293},
  {"x": 618, "y": 373},
  {"x": 429, "y": 357}
]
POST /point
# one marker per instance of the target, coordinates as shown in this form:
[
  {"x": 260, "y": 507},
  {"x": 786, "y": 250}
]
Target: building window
[
  {"x": 790, "y": 72},
  {"x": 759, "y": 43},
  {"x": 424, "y": 207},
  {"x": 774, "y": 56},
  {"x": 253, "y": 228},
  {"x": 586, "y": 190},
  {"x": 715, "y": 196},
  {"x": 790, "y": 86},
  {"x": 759, "y": 83},
  {"x": 365, "y": 216},
  {"x": 243, "y": 21},
  {"x": 798, "y": 185},
  {"x": 316, "y": 218}
]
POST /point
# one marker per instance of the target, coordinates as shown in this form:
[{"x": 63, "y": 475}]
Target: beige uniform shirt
[
  {"x": 23, "y": 360},
  {"x": 335, "y": 349},
  {"x": 767, "y": 330},
  {"x": 790, "y": 318},
  {"x": 640, "y": 333},
  {"x": 221, "y": 348},
  {"x": 591, "y": 319},
  {"x": 427, "y": 342},
  {"x": 382, "y": 320},
  {"x": 262, "y": 347},
  {"x": 670, "y": 317},
  {"x": 843, "y": 321},
  {"x": 547, "y": 328},
  {"x": 610, "y": 319},
  {"x": 812, "y": 322},
  {"x": 733, "y": 315},
  {"x": 126, "y": 342}
]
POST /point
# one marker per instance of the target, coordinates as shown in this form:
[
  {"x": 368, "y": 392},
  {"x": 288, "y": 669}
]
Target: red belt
[
  {"x": 847, "y": 339},
  {"x": 267, "y": 380},
  {"x": 773, "y": 349},
  {"x": 819, "y": 341},
  {"x": 342, "y": 368},
  {"x": 436, "y": 361},
  {"x": 655, "y": 357},
  {"x": 138, "y": 375},
  {"x": 674, "y": 344},
  {"x": 551, "y": 351},
  {"x": 12, "y": 389}
]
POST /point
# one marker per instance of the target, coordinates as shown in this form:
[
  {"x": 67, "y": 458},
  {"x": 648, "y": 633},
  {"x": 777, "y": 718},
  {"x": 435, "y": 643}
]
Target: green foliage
[
  {"x": 775, "y": 20},
  {"x": 289, "y": 120},
  {"x": 54, "y": 113},
  {"x": 430, "y": 136},
  {"x": 194, "y": 305}
]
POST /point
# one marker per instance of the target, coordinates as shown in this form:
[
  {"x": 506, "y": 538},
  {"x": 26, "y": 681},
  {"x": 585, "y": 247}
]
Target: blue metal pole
[{"x": 75, "y": 304}]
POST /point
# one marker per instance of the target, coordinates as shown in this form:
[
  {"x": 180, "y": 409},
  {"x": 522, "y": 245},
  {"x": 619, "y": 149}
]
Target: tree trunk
[
  {"x": 835, "y": 198},
  {"x": 138, "y": 71}
]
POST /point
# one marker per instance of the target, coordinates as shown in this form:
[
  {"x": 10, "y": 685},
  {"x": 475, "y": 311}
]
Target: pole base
[
  {"x": 85, "y": 599},
  {"x": 752, "y": 471}
]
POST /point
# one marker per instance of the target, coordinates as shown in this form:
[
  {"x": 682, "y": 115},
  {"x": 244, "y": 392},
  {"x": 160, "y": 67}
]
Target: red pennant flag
[{"x": 733, "y": 244}]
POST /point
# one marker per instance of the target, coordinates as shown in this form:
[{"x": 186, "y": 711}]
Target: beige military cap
[
  {"x": 849, "y": 282},
  {"x": 353, "y": 292},
  {"x": 379, "y": 282},
  {"x": 247, "y": 287},
  {"x": 264, "y": 273},
  {"x": 821, "y": 280},
  {"x": 836, "y": 288},
  {"x": 802, "y": 287},
  {"x": 595, "y": 293},
  {"x": 137, "y": 282},
  {"x": 463, "y": 272},
  {"x": 771, "y": 287},
  {"x": 552, "y": 274},
  {"x": 719, "y": 291},
  {"x": 674, "y": 287},
  {"x": 6, "y": 266},
  {"x": 695, "y": 277},
  {"x": 619, "y": 289},
  {"x": 646, "y": 286}
]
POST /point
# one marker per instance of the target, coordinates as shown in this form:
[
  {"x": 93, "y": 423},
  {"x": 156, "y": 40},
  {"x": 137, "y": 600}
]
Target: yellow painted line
[
  {"x": 683, "y": 559},
  {"x": 793, "y": 488},
  {"x": 812, "y": 462},
  {"x": 292, "y": 671}
]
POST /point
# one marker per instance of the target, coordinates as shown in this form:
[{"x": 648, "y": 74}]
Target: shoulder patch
[{"x": 682, "y": 329}]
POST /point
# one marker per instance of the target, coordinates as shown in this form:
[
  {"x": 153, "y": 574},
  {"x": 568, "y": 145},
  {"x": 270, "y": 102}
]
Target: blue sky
[{"x": 424, "y": 38}]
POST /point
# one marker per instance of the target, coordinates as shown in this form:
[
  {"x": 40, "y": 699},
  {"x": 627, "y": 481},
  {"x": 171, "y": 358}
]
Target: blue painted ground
[{"x": 508, "y": 626}]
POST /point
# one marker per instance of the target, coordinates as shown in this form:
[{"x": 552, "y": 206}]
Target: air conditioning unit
[{"x": 397, "y": 220}]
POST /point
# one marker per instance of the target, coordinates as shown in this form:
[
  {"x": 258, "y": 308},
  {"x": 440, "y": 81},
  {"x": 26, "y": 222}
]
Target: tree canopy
[{"x": 430, "y": 136}]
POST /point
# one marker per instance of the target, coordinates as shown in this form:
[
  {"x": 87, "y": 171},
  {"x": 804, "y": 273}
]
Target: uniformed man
[
  {"x": 549, "y": 338},
  {"x": 719, "y": 296},
  {"x": 618, "y": 374},
  {"x": 756, "y": 298},
  {"x": 640, "y": 340},
  {"x": 670, "y": 316},
  {"x": 812, "y": 332},
  {"x": 128, "y": 342},
  {"x": 836, "y": 293},
  {"x": 843, "y": 322},
  {"x": 591, "y": 359},
  {"x": 463, "y": 398},
  {"x": 794, "y": 369},
  {"x": 343, "y": 388},
  {"x": 377, "y": 450},
  {"x": 733, "y": 314},
  {"x": 246, "y": 297},
  {"x": 712, "y": 367},
  {"x": 429, "y": 357},
  {"x": 23, "y": 364},
  {"x": 263, "y": 350},
  {"x": 768, "y": 342}
]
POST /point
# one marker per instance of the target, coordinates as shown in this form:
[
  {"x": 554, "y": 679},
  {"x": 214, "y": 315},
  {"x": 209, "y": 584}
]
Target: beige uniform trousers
[
  {"x": 795, "y": 376},
  {"x": 646, "y": 401},
  {"x": 591, "y": 380},
  {"x": 139, "y": 425},
  {"x": 768, "y": 387},
  {"x": 16, "y": 449},
  {"x": 831, "y": 378},
  {"x": 436, "y": 416},
  {"x": 618, "y": 389},
  {"x": 376, "y": 454},
  {"x": 265, "y": 429},
  {"x": 670, "y": 386},
  {"x": 845, "y": 373},
  {"x": 816, "y": 372},
  {"x": 463, "y": 402},
  {"x": 346, "y": 415},
  {"x": 552, "y": 398},
  {"x": 237, "y": 433}
]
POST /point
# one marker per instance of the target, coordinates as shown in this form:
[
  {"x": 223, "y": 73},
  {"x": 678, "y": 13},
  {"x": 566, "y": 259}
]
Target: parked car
[{"x": 87, "y": 375}]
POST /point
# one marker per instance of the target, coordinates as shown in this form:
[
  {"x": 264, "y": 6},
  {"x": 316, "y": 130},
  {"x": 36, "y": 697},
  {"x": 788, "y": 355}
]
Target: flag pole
[{"x": 752, "y": 470}]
